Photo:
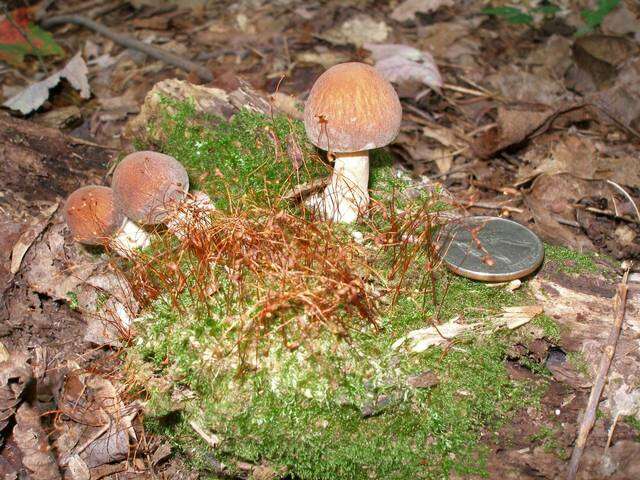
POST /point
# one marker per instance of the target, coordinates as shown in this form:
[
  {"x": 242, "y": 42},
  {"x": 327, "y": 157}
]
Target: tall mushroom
[
  {"x": 93, "y": 219},
  {"x": 152, "y": 188},
  {"x": 351, "y": 109}
]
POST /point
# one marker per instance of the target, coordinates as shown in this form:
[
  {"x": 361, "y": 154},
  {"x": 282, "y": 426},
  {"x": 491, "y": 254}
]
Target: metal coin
[{"x": 491, "y": 249}]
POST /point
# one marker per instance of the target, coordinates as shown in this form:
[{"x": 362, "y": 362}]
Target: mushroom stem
[
  {"x": 347, "y": 194},
  {"x": 129, "y": 238},
  {"x": 192, "y": 215}
]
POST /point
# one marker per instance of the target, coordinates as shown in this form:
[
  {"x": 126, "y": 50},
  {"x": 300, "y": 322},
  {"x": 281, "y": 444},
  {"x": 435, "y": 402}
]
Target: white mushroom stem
[
  {"x": 192, "y": 214},
  {"x": 129, "y": 238},
  {"x": 347, "y": 195}
]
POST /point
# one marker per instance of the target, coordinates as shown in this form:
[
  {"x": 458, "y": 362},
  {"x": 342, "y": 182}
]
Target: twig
[
  {"x": 489, "y": 206},
  {"x": 132, "y": 43},
  {"x": 589, "y": 416},
  {"x": 626, "y": 194},
  {"x": 468, "y": 91},
  {"x": 211, "y": 439},
  {"x": 607, "y": 213}
]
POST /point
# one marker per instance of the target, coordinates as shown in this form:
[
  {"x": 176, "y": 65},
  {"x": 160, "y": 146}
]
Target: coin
[{"x": 490, "y": 249}]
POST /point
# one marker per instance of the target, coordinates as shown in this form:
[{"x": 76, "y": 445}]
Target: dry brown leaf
[
  {"x": 358, "y": 30},
  {"x": 32, "y": 97},
  {"x": 408, "y": 9},
  {"x": 29, "y": 236},
  {"x": 15, "y": 374},
  {"x": 551, "y": 197},
  {"x": 517, "y": 123},
  {"x": 33, "y": 443}
]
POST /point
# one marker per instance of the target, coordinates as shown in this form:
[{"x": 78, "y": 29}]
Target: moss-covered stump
[{"x": 274, "y": 330}]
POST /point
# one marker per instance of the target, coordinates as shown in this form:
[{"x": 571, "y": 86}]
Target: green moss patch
[{"x": 312, "y": 385}]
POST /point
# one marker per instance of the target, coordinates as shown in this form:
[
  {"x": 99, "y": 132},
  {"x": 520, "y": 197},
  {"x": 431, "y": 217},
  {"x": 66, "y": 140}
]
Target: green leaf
[
  {"x": 14, "y": 47},
  {"x": 593, "y": 18},
  {"x": 546, "y": 9},
  {"x": 510, "y": 14}
]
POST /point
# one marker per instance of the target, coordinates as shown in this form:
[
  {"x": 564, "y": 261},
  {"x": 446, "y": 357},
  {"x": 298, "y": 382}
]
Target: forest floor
[{"x": 533, "y": 116}]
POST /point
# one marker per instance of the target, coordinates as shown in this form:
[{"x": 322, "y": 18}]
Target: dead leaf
[
  {"x": 551, "y": 198},
  {"x": 326, "y": 59},
  {"x": 98, "y": 426},
  {"x": 514, "y": 317},
  {"x": 621, "y": 21},
  {"x": 407, "y": 10},
  {"x": 554, "y": 56},
  {"x": 518, "y": 85},
  {"x": 583, "y": 158},
  {"x": 15, "y": 374},
  {"x": 29, "y": 236},
  {"x": 452, "y": 41},
  {"x": 516, "y": 123},
  {"x": 32, "y": 98},
  {"x": 420, "y": 340},
  {"x": 78, "y": 469},
  {"x": 621, "y": 102},
  {"x": 402, "y": 63},
  {"x": 33, "y": 443},
  {"x": 423, "y": 380},
  {"x": 358, "y": 30},
  {"x": 424, "y": 338}
]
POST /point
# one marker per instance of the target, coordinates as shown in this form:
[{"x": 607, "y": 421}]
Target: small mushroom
[
  {"x": 351, "y": 109},
  {"x": 93, "y": 219},
  {"x": 149, "y": 186}
]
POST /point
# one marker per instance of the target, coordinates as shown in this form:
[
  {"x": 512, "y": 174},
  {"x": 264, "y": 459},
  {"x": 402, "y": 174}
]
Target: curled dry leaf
[
  {"x": 425, "y": 338},
  {"x": 32, "y": 97},
  {"x": 516, "y": 123},
  {"x": 28, "y": 237},
  {"x": 33, "y": 443},
  {"x": 408, "y": 9},
  {"x": 402, "y": 63},
  {"x": 15, "y": 374},
  {"x": 358, "y": 30},
  {"x": 96, "y": 425}
]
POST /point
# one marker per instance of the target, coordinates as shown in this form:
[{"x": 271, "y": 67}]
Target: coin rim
[{"x": 496, "y": 277}]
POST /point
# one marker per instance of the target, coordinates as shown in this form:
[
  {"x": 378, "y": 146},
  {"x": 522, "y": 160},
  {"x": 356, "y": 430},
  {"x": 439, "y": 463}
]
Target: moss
[
  {"x": 346, "y": 408},
  {"x": 549, "y": 326},
  {"x": 570, "y": 261},
  {"x": 635, "y": 423},
  {"x": 547, "y": 437},
  {"x": 579, "y": 362}
]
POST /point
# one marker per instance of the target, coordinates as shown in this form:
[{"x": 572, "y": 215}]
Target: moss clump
[
  {"x": 569, "y": 261},
  {"x": 331, "y": 402}
]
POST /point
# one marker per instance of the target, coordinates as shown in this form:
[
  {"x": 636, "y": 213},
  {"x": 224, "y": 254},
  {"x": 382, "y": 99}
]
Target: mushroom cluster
[
  {"x": 351, "y": 109},
  {"x": 148, "y": 188}
]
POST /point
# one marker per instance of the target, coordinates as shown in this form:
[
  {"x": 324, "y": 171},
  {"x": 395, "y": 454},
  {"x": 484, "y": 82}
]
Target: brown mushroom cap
[
  {"x": 91, "y": 215},
  {"x": 352, "y": 108},
  {"x": 149, "y": 185}
]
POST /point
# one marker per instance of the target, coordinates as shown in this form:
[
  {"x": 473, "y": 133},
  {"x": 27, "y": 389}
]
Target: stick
[
  {"x": 132, "y": 43},
  {"x": 589, "y": 416}
]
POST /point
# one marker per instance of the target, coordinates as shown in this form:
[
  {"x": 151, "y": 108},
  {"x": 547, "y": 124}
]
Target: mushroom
[
  {"x": 149, "y": 186},
  {"x": 351, "y": 109},
  {"x": 152, "y": 188},
  {"x": 93, "y": 219}
]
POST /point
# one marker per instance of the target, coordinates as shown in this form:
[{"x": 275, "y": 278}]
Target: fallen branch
[
  {"x": 132, "y": 43},
  {"x": 589, "y": 416}
]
